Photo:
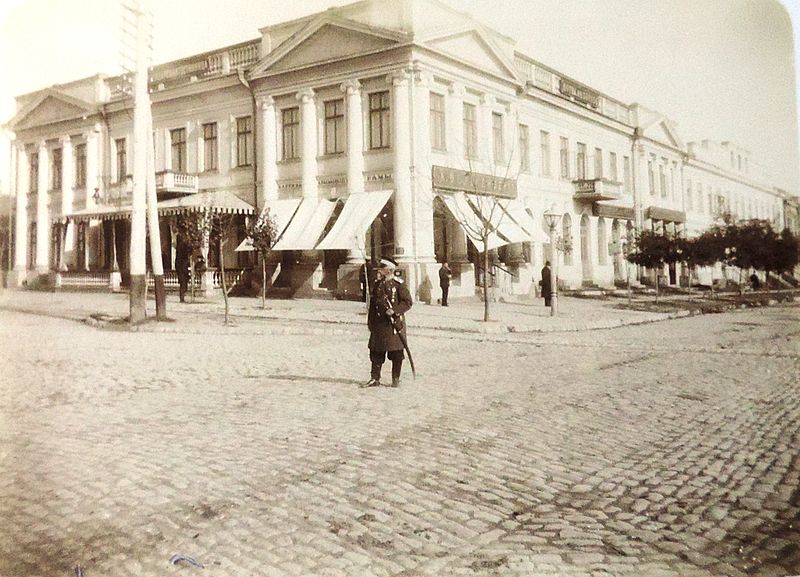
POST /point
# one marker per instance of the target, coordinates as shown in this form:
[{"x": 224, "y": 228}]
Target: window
[
  {"x": 80, "y": 165},
  {"x": 662, "y": 180},
  {"x": 379, "y": 119},
  {"x": 210, "y": 146},
  {"x": 437, "y": 122},
  {"x": 178, "y": 139},
  {"x": 470, "y": 131},
  {"x": 497, "y": 137},
  {"x": 334, "y": 126},
  {"x": 626, "y": 173},
  {"x": 56, "y": 172},
  {"x": 689, "y": 200},
  {"x": 290, "y": 133},
  {"x": 580, "y": 161},
  {"x": 598, "y": 163},
  {"x": 33, "y": 172},
  {"x": 651, "y": 177},
  {"x": 564, "y": 154},
  {"x": 739, "y": 161},
  {"x": 545, "y": 144},
  {"x": 244, "y": 133},
  {"x": 122, "y": 159},
  {"x": 524, "y": 149},
  {"x": 612, "y": 166}
]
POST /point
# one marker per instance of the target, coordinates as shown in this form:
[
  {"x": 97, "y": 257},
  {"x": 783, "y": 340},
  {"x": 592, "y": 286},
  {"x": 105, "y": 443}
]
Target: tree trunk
[
  {"x": 741, "y": 286},
  {"x": 191, "y": 276},
  {"x": 485, "y": 280},
  {"x": 263, "y": 281},
  {"x": 222, "y": 282},
  {"x": 656, "y": 271}
]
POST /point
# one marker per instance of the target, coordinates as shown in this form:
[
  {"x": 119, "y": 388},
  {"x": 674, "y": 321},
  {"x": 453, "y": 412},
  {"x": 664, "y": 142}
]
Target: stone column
[
  {"x": 401, "y": 153},
  {"x": 269, "y": 151},
  {"x": 21, "y": 217},
  {"x": 42, "y": 215},
  {"x": 355, "y": 137},
  {"x": 485, "y": 131},
  {"x": 92, "y": 167},
  {"x": 308, "y": 125},
  {"x": 67, "y": 180}
]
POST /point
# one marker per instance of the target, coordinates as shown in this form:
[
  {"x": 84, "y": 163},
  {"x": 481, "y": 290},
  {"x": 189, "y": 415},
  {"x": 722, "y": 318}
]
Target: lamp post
[{"x": 551, "y": 218}]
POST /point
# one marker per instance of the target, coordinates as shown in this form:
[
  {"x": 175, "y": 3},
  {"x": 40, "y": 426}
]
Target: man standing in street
[
  {"x": 389, "y": 300},
  {"x": 546, "y": 284},
  {"x": 182, "y": 269},
  {"x": 444, "y": 281}
]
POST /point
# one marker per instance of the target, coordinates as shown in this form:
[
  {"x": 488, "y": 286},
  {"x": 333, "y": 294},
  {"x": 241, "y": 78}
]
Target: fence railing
[{"x": 86, "y": 278}]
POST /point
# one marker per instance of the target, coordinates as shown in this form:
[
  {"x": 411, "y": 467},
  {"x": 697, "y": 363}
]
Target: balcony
[
  {"x": 592, "y": 190},
  {"x": 176, "y": 182}
]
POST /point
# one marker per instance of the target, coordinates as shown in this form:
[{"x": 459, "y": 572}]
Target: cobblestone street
[{"x": 663, "y": 449}]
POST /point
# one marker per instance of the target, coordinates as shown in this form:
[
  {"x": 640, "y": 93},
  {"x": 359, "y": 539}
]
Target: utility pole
[{"x": 143, "y": 210}]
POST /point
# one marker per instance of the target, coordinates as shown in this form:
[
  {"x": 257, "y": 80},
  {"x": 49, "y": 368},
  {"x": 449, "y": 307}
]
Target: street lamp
[{"x": 552, "y": 218}]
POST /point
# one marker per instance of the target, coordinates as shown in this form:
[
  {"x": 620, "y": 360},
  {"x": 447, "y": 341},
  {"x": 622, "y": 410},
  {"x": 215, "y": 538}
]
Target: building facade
[{"x": 374, "y": 129}]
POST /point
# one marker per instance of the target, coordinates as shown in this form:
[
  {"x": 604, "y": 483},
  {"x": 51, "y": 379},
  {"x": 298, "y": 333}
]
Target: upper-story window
[
  {"x": 122, "y": 159},
  {"x": 334, "y": 126},
  {"x": 80, "y": 165},
  {"x": 210, "y": 146},
  {"x": 497, "y": 137},
  {"x": 437, "y": 122},
  {"x": 380, "y": 135},
  {"x": 662, "y": 180},
  {"x": 651, "y": 177},
  {"x": 56, "y": 169},
  {"x": 689, "y": 195},
  {"x": 598, "y": 163},
  {"x": 524, "y": 149},
  {"x": 739, "y": 161},
  {"x": 613, "y": 174},
  {"x": 244, "y": 141},
  {"x": 290, "y": 133},
  {"x": 178, "y": 139},
  {"x": 564, "y": 157},
  {"x": 545, "y": 150},
  {"x": 33, "y": 172},
  {"x": 626, "y": 174},
  {"x": 470, "y": 131},
  {"x": 580, "y": 161}
]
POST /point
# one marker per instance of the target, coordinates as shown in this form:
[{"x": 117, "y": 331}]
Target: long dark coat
[
  {"x": 546, "y": 283},
  {"x": 384, "y": 295}
]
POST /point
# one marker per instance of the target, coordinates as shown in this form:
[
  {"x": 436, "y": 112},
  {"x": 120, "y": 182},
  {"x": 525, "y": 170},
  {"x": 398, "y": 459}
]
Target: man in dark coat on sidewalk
[
  {"x": 546, "y": 284},
  {"x": 389, "y": 300},
  {"x": 444, "y": 281}
]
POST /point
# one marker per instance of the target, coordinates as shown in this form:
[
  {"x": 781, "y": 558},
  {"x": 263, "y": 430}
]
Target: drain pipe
[{"x": 246, "y": 84}]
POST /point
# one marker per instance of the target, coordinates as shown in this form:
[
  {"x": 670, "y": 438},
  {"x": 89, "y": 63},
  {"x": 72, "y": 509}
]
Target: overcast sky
[{"x": 721, "y": 69}]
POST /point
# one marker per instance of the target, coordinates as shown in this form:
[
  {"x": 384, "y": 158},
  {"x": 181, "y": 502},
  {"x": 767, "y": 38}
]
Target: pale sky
[{"x": 721, "y": 69}]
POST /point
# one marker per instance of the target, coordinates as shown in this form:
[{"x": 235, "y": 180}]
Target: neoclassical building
[{"x": 378, "y": 128}]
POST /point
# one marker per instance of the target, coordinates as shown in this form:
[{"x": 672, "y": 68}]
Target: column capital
[
  {"x": 65, "y": 140},
  {"x": 266, "y": 102},
  {"x": 399, "y": 77},
  {"x": 350, "y": 87},
  {"x": 457, "y": 90},
  {"x": 488, "y": 100},
  {"x": 307, "y": 95},
  {"x": 41, "y": 145}
]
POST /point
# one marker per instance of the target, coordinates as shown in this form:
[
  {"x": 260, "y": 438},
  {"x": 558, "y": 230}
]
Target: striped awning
[
  {"x": 358, "y": 213},
  {"x": 217, "y": 202}
]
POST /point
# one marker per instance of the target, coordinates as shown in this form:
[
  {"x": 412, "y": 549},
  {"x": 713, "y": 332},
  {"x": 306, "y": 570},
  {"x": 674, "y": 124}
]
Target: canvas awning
[
  {"x": 359, "y": 211},
  {"x": 218, "y": 202},
  {"x": 282, "y": 212},
  {"x": 501, "y": 218},
  {"x": 307, "y": 225}
]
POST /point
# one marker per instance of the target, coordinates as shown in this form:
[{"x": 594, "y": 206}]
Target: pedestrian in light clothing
[
  {"x": 444, "y": 281},
  {"x": 389, "y": 300},
  {"x": 546, "y": 284}
]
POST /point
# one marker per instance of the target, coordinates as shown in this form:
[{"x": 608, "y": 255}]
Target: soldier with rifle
[{"x": 389, "y": 300}]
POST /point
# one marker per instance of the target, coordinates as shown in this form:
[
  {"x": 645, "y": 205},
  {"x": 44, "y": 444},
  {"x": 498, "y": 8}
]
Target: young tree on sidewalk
[
  {"x": 194, "y": 230},
  {"x": 263, "y": 233}
]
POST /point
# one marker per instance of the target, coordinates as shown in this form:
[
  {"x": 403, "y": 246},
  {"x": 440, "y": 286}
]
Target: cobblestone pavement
[{"x": 669, "y": 449}]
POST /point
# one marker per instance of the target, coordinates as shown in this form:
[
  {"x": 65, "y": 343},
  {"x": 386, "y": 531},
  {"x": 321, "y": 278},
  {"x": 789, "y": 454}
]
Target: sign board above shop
[
  {"x": 456, "y": 180},
  {"x": 579, "y": 93}
]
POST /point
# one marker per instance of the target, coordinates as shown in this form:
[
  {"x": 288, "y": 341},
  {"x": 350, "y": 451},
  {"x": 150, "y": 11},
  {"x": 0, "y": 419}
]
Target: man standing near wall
[{"x": 444, "y": 281}]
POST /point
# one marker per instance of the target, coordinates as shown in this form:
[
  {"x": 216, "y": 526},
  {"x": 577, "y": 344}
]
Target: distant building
[{"x": 377, "y": 128}]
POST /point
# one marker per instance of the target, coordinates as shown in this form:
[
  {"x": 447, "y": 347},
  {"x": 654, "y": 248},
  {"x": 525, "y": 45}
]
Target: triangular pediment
[
  {"x": 326, "y": 39},
  {"x": 663, "y": 131},
  {"x": 473, "y": 48},
  {"x": 51, "y": 107}
]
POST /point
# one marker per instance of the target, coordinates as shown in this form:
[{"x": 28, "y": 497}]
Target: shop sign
[
  {"x": 579, "y": 93},
  {"x": 473, "y": 182}
]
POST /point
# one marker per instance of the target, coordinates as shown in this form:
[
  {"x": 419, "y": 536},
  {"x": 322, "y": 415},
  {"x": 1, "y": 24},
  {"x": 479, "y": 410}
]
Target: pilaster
[
  {"x": 401, "y": 153},
  {"x": 67, "y": 180},
  {"x": 22, "y": 169},
  {"x": 308, "y": 125},
  {"x": 42, "y": 215},
  {"x": 269, "y": 150}
]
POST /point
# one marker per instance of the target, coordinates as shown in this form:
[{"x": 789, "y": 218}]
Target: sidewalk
[{"x": 575, "y": 314}]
